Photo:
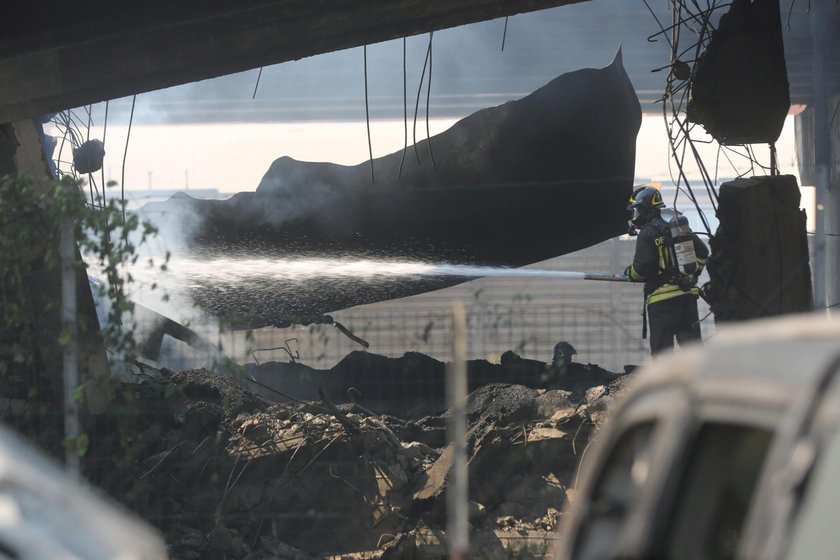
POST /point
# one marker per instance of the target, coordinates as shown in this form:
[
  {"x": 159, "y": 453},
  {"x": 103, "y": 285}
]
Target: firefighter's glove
[{"x": 628, "y": 272}]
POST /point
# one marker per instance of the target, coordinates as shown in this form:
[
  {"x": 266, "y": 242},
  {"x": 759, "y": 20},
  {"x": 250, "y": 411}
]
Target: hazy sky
[{"x": 233, "y": 157}]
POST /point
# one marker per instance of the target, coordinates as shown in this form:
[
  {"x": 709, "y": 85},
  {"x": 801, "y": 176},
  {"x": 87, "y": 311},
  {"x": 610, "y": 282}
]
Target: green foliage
[
  {"x": 531, "y": 551},
  {"x": 30, "y": 218},
  {"x": 31, "y": 215},
  {"x": 78, "y": 444}
]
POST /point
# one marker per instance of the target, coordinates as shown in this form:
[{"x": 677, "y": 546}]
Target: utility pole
[{"x": 825, "y": 292}]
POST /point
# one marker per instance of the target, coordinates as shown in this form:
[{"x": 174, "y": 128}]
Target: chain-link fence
[
  {"x": 601, "y": 320},
  {"x": 330, "y": 439}
]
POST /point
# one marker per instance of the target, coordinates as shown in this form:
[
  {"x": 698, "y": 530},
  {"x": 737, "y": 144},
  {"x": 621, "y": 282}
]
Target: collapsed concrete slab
[{"x": 507, "y": 186}]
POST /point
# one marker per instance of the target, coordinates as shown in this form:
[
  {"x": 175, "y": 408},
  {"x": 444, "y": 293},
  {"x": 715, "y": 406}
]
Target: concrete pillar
[
  {"x": 825, "y": 292},
  {"x": 21, "y": 153}
]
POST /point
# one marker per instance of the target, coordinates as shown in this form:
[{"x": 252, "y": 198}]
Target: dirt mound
[{"x": 225, "y": 473}]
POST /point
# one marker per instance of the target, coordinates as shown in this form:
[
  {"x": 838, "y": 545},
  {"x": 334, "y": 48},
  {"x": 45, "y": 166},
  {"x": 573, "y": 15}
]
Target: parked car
[
  {"x": 727, "y": 451},
  {"x": 45, "y": 513}
]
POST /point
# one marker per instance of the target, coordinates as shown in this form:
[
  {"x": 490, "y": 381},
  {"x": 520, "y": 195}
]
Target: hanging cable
[
  {"x": 63, "y": 130},
  {"x": 662, "y": 29},
  {"x": 428, "y": 95},
  {"x": 89, "y": 109},
  {"x": 102, "y": 169},
  {"x": 367, "y": 116},
  {"x": 125, "y": 155},
  {"x": 504, "y": 33},
  {"x": 417, "y": 105},
  {"x": 833, "y": 115},
  {"x": 256, "y": 85},
  {"x": 405, "y": 113}
]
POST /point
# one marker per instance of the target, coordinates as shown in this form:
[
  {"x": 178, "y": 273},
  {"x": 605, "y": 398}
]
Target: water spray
[{"x": 302, "y": 269}]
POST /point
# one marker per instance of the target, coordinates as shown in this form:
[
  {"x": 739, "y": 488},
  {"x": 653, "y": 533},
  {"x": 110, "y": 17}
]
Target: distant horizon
[{"x": 234, "y": 157}]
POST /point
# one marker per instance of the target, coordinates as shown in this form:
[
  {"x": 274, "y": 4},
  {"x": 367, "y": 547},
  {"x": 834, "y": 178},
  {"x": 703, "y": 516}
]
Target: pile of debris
[{"x": 226, "y": 473}]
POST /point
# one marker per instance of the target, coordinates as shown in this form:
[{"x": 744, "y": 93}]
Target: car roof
[{"x": 770, "y": 361}]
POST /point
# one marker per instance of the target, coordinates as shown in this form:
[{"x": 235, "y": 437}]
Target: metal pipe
[
  {"x": 70, "y": 351},
  {"x": 457, "y": 495},
  {"x": 606, "y": 277}
]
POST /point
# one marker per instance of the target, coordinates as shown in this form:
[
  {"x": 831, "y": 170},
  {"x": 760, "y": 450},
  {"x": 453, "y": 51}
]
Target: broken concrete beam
[
  {"x": 759, "y": 265},
  {"x": 506, "y": 186}
]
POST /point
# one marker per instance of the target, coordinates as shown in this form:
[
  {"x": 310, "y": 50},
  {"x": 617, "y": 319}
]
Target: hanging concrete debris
[
  {"x": 88, "y": 157},
  {"x": 760, "y": 263},
  {"x": 739, "y": 91},
  {"x": 511, "y": 185}
]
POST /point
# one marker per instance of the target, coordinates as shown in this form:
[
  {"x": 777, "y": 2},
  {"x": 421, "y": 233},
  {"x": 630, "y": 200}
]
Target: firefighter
[{"x": 669, "y": 258}]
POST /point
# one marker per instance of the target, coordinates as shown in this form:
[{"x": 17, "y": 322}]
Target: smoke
[{"x": 469, "y": 71}]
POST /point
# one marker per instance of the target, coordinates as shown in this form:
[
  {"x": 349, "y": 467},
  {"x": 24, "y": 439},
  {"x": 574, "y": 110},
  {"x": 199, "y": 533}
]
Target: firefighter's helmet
[{"x": 645, "y": 203}]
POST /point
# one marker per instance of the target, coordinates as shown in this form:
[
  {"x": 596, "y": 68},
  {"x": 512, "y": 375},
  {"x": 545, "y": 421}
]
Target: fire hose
[{"x": 601, "y": 276}]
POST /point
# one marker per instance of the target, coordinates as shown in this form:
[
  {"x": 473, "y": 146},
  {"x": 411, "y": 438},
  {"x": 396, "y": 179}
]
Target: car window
[
  {"x": 816, "y": 536},
  {"x": 714, "y": 493},
  {"x": 616, "y": 491}
]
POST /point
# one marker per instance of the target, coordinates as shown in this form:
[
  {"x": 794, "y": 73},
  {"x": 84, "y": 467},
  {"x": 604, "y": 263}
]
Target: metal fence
[
  {"x": 224, "y": 474},
  {"x": 527, "y": 316}
]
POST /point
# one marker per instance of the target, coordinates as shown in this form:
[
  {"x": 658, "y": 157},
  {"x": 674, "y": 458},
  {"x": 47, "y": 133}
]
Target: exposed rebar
[
  {"x": 257, "y": 84},
  {"x": 428, "y": 96},
  {"x": 125, "y": 155},
  {"x": 367, "y": 117}
]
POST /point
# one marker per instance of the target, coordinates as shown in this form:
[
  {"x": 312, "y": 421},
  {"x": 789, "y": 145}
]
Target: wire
[
  {"x": 834, "y": 114},
  {"x": 417, "y": 105},
  {"x": 695, "y": 17},
  {"x": 662, "y": 29},
  {"x": 125, "y": 155},
  {"x": 428, "y": 95},
  {"x": 790, "y": 11},
  {"x": 102, "y": 169},
  {"x": 367, "y": 117},
  {"x": 89, "y": 109},
  {"x": 65, "y": 129},
  {"x": 257, "y": 84},
  {"x": 504, "y": 33},
  {"x": 405, "y": 113}
]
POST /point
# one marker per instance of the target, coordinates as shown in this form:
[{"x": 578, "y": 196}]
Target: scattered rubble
[
  {"x": 226, "y": 473},
  {"x": 412, "y": 385}
]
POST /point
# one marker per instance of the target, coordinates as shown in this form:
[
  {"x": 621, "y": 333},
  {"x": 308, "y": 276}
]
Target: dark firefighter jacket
[{"x": 653, "y": 264}]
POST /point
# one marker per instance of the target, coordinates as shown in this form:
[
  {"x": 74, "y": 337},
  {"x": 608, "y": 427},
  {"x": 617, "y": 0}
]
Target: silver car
[{"x": 729, "y": 451}]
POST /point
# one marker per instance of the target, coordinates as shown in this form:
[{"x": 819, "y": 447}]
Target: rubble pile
[
  {"x": 412, "y": 385},
  {"x": 226, "y": 473}
]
